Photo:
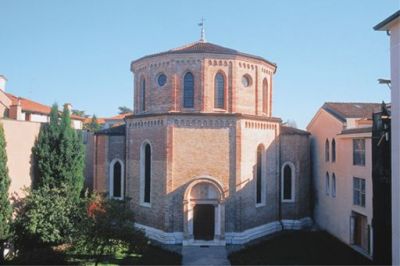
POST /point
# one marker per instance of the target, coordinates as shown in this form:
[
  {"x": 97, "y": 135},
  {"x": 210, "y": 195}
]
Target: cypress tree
[
  {"x": 59, "y": 154},
  {"x": 5, "y": 206}
]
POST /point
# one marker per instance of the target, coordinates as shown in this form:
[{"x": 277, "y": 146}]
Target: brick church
[{"x": 202, "y": 158}]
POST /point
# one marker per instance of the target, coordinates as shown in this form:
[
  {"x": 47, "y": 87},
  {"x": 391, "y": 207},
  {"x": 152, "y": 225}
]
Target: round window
[
  {"x": 246, "y": 81},
  {"x": 162, "y": 79}
]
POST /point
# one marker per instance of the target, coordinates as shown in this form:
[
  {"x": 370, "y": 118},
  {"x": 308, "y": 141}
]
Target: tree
[
  {"x": 93, "y": 125},
  {"x": 5, "y": 206},
  {"x": 124, "y": 110},
  {"x": 79, "y": 113},
  {"x": 59, "y": 154},
  {"x": 108, "y": 228},
  {"x": 45, "y": 217}
]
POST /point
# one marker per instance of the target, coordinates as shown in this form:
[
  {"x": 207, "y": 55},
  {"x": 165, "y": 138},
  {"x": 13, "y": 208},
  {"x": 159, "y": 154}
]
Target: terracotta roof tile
[
  {"x": 34, "y": 107},
  {"x": 342, "y": 111},
  {"x": 205, "y": 47},
  {"x": 285, "y": 130}
]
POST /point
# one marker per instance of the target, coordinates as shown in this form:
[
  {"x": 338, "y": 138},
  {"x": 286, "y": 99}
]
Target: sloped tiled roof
[
  {"x": 205, "y": 47},
  {"x": 119, "y": 116},
  {"x": 342, "y": 111},
  {"x": 34, "y": 107},
  {"x": 356, "y": 130},
  {"x": 285, "y": 130},
  {"x": 100, "y": 120},
  {"x": 119, "y": 130}
]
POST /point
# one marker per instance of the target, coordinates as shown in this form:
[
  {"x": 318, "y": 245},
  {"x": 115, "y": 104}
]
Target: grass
[
  {"x": 299, "y": 248},
  {"x": 152, "y": 256}
]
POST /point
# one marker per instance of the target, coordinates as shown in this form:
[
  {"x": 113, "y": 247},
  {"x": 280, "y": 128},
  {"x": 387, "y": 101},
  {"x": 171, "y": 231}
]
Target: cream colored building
[
  {"x": 392, "y": 26},
  {"x": 342, "y": 171}
]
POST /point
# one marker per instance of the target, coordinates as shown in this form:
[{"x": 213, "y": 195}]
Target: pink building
[{"x": 342, "y": 171}]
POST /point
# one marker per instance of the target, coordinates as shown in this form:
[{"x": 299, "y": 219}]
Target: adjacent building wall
[
  {"x": 332, "y": 213},
  {"x": 395, "y": 78},
  {"x": 20, "y": 138}
]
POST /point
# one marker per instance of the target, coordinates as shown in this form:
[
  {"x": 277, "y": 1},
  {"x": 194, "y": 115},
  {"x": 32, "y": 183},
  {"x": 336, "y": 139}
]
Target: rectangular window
[
  {"x": 358, "y": 151},
  {"x": 359, "y": 191}
]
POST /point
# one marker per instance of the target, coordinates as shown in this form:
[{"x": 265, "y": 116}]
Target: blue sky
[{"x": 80, "y": 51}]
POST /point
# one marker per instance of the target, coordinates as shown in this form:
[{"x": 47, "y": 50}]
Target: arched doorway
[{"x": 204, "y": 212}]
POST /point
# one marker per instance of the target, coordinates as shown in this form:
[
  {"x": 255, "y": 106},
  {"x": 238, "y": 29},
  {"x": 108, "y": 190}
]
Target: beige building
[
  {"x": 202, "y": 157},
  {"x": 392, "y": 26},
  {"x": 342, "y": 171}
]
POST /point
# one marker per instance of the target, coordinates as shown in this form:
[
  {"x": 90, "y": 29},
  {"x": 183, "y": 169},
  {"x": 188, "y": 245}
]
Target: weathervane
[{"x": 203, "y": 35}]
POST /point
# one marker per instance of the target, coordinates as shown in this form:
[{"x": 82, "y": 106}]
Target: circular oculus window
[
  {"x": 246, "y": 81},
  {"x": 162, "y": 79}
]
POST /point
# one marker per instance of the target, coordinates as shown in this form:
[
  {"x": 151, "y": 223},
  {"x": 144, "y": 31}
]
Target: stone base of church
[{"x": 230, "y": 237}]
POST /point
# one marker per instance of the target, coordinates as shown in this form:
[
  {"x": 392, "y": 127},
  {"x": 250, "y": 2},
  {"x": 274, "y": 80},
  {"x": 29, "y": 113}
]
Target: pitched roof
[
  {"x": 205, "y": 47},
  {"x": 342, "y": 111},
  {"x": 34, "y": 107},
  {"x": 356, "y": 130},
  {"x": 119, "y": 130},
  {"x": 118, "y": 117},
  {"x": 99, "y": 120},
  {"x": 285, "y": 130}
]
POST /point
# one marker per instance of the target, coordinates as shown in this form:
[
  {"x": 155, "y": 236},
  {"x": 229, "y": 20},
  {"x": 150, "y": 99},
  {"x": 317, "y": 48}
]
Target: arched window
[
  {"x": 288, "y": 182},
  {"x": 265, "y": 96},
  {"x": 219, "y": 91},
  {"x": 327, "y": 183},
  {"x": 143, "y": 93},
  {"x": 145, "y": 176},
  {"x": 116, "y": 179},
  {"x": 327, "y": 150},
  {"x": 333, "y": 150},
  {"x": 188, "y": 90},
  {"x": 260, "y": 176},
  {"x": 334, "y": 185}
]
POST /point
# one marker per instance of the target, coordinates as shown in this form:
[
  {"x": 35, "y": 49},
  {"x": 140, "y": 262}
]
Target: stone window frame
[
  {"x": 111, "y": 179},
  {"x": 263, "y": 189},
  {"x": 142, "y": 173},
  {"x": 327, "y": 185},
  {"x": 333, "y": 186},
  {"x": 142, "y": 85},
  {"x": 265, "y": 101},
  {"x": 359, "y": 191},
  {"x": 359, "y": 150},
  {"x": 327, "y": 150},
  {"x": 293, "y": 181},
  {"x": 224, "y": 91},
  {"x": 183, "y": 90},
  {"x": 333, "y": 150}
]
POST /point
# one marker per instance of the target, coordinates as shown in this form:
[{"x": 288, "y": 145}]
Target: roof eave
[{"x": 386, "y": 23}]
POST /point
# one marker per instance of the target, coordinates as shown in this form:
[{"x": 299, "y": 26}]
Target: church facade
[{"x": 202, "y": 159}]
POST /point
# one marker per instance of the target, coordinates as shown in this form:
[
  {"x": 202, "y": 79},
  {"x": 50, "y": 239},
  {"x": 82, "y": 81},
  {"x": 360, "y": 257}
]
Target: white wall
[{"x": 395, "y": 73}]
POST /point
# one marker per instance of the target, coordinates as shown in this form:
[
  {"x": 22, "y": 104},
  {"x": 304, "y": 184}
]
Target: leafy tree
[
  {"x": 5, "y": 207},
  {"x": 93, "y": 125},
  {"x": 109, "y": 228},
  {"x": 79, "y": 113},
  {"x": 124, "y": 110},
  {"x": 45, "y": 217}
]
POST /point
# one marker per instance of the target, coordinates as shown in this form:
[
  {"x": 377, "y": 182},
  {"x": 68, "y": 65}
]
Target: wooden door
[{"x": 203, "y": 222}]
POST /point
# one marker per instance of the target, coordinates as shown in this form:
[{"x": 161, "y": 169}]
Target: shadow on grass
[
  {"x": 299, "y": 248},
  {"x": 46, "y": 256}
]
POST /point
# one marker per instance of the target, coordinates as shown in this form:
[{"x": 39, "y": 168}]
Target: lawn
[
  {"x": 299, "y": 248},
  {"x": 152, "y": 256}
]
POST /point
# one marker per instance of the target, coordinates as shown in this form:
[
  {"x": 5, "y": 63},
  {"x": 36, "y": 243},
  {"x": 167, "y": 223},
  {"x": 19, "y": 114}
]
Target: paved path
[{"x": 212, "y": 255}]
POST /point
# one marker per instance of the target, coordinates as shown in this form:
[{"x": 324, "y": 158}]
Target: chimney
[{"x": 3, "y": 82}]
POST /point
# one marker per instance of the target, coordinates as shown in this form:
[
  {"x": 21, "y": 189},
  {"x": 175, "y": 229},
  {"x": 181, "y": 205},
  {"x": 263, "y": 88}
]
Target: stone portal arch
[{"x": 204, "y": 212}]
